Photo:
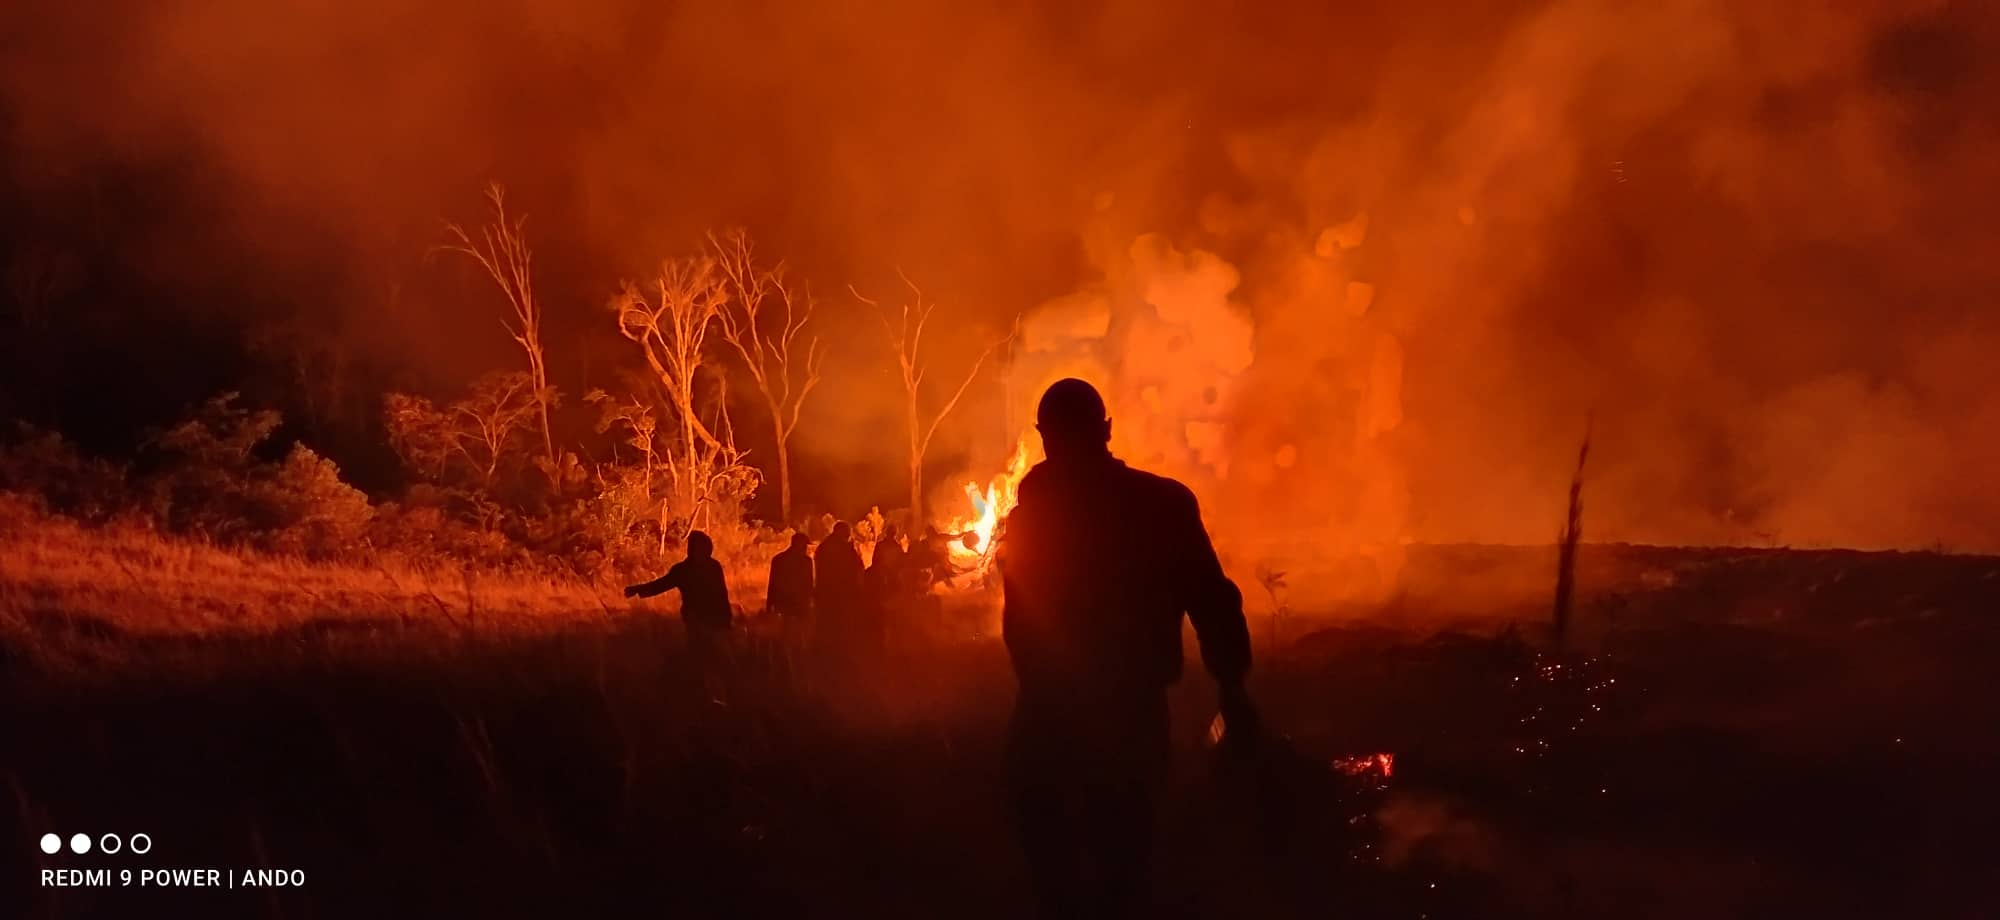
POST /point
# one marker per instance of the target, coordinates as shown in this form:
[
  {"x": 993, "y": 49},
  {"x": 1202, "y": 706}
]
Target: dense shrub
[
  {"x": 213, "y": 476},
  {"x": 312, "y": 512},
  {"x": 424, "y": 533},
  {"x": 44, "y": 465},
  {"x": 207, "y": 481}
]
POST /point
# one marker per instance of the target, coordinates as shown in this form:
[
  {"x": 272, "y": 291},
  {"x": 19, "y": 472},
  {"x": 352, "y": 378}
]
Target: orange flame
[
  {"x": 1382, "y": 765},
  {"x": 972, "y": 549}
]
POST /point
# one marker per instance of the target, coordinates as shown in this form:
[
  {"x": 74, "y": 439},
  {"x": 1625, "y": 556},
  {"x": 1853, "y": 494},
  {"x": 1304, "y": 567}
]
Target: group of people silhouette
[
  {"x": 857, "y": 602},
  {"x": 1099, "y": 564}
]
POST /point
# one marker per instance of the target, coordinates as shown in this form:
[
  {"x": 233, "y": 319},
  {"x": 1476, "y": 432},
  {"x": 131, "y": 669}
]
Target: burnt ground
[{"x": 1728, "y": 733}]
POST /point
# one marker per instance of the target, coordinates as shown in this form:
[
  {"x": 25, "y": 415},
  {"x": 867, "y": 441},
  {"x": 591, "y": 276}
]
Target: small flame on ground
[{"x": 1382, "y": 764}]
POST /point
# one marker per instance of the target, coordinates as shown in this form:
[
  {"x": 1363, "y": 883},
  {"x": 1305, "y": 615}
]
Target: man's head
[
  {"x": 699, "y": 545},
  {"x": 1073, "y": 420},
  {"x": 799, "y": 541},
  {"x": 841, "y": 533}
]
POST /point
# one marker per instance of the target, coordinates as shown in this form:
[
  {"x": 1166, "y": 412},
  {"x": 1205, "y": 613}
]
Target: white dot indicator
[
  {"x": 51, "y": 844},
  {"x": 80, "y": 844}
]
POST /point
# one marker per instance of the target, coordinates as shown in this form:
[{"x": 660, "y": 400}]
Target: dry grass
[
  {"x": 506, "y": 747},
  {"x": 132, "y": 581}
]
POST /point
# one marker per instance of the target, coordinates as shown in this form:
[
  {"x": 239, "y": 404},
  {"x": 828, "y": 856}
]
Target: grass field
[{"x": 1730, "y": 733}]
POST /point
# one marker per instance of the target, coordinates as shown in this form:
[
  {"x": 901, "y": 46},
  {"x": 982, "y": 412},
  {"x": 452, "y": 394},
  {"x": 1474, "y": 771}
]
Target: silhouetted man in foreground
[
  {"x": 704, "y": 595},
  {"x": 1099, "y": 563}
]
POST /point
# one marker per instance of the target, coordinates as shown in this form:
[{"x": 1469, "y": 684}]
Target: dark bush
[{"x": 44, "y": 465}]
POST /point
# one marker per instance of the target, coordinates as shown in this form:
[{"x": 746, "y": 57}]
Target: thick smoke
[
  {"x": 1280, "y": 419},
  {"x": 1728, "y": 241},
  {"x": 1363, "y": 277}
]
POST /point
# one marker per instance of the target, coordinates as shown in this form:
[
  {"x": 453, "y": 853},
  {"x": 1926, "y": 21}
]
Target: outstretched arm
[{"x": 660, "y": 585}]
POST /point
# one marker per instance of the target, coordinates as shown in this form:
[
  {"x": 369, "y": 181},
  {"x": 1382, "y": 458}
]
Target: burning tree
[
  {"x": 783, "y": 376},
  {"x": 906, "y": 336},
  {"x": 502, "y": 249},
  {"x": 671, "y": 326}
]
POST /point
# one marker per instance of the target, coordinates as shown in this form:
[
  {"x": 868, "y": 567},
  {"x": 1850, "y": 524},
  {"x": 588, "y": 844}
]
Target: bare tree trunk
[
  {"x": 686, "y": 490},
  {"x": 916, "y": 466},
  {"x": 503, "y": 251},
  {"x": 784, "y": 455},
  {"x": 768, "y": 351},
  {"x": 906, "y": 337},
  {"x": 541, "y": 373}
]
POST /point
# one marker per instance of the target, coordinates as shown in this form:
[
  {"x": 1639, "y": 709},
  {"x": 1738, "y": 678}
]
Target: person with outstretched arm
[
  {"x": 704, "y": 595},
  {"x": 1098, "y": 565}
]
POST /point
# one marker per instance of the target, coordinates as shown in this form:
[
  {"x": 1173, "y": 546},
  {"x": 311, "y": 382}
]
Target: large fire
[{"x": 972, "y": 533}]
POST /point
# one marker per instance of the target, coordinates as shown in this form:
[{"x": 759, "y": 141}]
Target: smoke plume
[{"x": 1360, "y": 276}]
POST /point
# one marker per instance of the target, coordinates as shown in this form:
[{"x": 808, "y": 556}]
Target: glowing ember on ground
[{"x": 1382, "y": 764}]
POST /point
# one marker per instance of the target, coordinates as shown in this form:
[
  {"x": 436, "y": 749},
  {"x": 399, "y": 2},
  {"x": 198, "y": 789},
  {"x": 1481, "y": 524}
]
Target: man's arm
[
  {"x": 1213, "y": 602},
  {"x": 660, "y": 585},
  {"x": 1215, "y": 606}
]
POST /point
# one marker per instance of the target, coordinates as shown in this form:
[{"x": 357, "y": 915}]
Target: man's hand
[
  {"x": 631, "y": 590},
  {"x": 1241, "y": 725}
]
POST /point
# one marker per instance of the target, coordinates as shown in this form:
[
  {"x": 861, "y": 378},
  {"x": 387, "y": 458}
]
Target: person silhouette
[
  {"x": 1098, "y": 564},
  {"x": 837, "y": 585},
  {"x": 704, "y": 595},
  {"x": 887, "y": 570},
  {"x": 789, "y": 593}
]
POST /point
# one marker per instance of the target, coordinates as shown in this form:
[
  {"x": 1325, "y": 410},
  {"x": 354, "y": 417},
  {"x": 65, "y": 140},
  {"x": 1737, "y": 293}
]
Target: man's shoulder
[
  {"x": 1152, "y": 489},
  {"x": 1164, "y": 492},
  {"x": 1166, "y": 484}
]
